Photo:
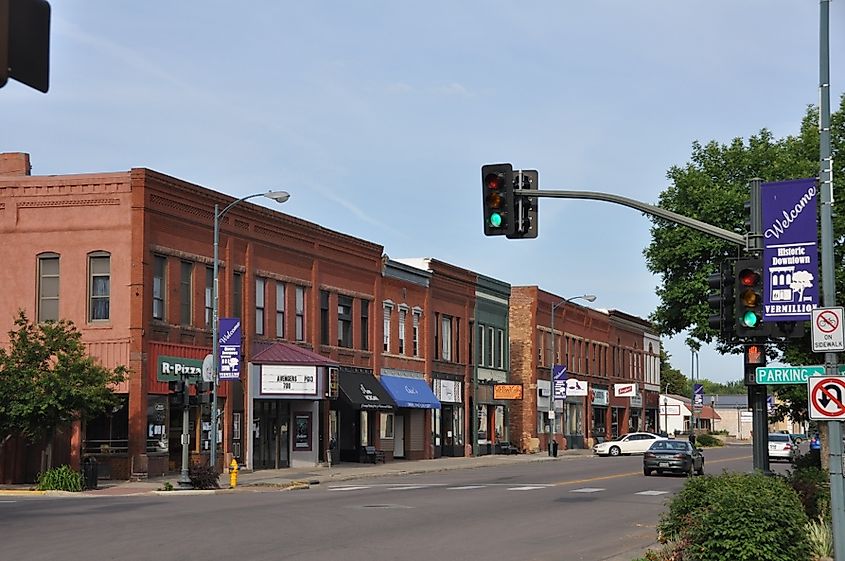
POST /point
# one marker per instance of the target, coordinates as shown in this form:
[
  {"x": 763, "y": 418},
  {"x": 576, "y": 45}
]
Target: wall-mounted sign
[
  {"x": 175, "y": 368},
  {"x": 624, "y": 390},
  {"x": 447, "y": 391},
  {"x": 507, "y": 391},
  {"x": 600, "y": 396},
  {"x": 333, "y": 383},
  {"x": 288, "y": 380}
]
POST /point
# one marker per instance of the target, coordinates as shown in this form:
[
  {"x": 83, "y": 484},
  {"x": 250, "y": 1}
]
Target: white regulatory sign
[{"x": 828, "y": 334}]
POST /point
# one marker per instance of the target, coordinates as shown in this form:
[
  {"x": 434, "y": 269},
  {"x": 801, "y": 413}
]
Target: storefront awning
[
  {"x": 362, "y": 391},
  {"x": 410, "y": 392}
]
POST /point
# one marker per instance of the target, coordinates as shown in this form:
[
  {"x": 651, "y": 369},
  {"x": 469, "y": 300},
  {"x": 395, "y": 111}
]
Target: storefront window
[
  {"x": 457, "y": 429},
  {"x": 482, "y": 424},
  {"x": 387, "y": 425},
  {"x": 362, "y": 437},
  {"x": 435, "y": 426},
  {"x": 157, "y": 423},
  {"x": 599, "y": 422},
  {"x": 109, "y": 433},
  {"x": 500, "y": 424}
]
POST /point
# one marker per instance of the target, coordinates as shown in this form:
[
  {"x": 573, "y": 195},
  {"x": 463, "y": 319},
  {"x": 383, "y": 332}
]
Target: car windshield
[
  {"x": 778, "y": 438},
  {"x": 670, "y": 446},
  {"x": 618, "y": 438}
]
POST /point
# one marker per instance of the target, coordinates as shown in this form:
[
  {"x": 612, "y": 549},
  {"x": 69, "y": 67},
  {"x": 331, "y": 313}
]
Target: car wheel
[
  {"x": 646, "y": 472},
  {"x": 615, "y": 451}
]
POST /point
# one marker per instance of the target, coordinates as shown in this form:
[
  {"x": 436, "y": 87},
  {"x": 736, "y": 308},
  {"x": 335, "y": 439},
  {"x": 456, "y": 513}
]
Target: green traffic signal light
[
  {"x": 496, "y": 220},
  {"x": 750, "y": 319}
]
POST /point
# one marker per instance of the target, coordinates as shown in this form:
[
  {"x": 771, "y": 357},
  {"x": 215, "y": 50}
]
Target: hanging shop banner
[
  {"x": 230, "y": 349},
  {"x": 790, "y": 249}
]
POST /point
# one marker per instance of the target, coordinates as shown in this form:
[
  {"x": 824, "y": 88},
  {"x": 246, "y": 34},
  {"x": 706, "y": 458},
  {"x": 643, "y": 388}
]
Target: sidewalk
[{"x": 302, "y": 477}]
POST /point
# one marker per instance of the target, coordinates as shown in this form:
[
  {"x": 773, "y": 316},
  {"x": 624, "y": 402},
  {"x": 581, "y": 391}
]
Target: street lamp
[
  {"x": 588, "y": 298},
  {"x": 279, "y": 197}
]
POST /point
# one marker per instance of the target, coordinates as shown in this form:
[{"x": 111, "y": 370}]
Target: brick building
[{"x": 599, "y": 349}]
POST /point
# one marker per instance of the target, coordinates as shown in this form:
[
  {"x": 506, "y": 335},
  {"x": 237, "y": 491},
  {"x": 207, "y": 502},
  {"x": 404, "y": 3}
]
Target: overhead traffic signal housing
[
  {"x": 497, "y": 199},
  {"x": 721, "y": 300},
  {"x": 178, "y": 394},
  {"x": 25, "y": 42},
  {"x": 525, "y": 207},
  {"x": 748, "y": 294}
]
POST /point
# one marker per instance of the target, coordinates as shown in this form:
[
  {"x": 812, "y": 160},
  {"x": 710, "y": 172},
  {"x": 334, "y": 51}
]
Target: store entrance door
[{"x": 270, "y": 434}]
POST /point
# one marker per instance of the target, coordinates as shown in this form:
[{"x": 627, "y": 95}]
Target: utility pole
[{"x": 837, "y": 492}]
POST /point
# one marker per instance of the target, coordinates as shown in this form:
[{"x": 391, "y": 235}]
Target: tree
[
  {"x": 47, "y": 380},
  {"x": 713, "y": 187},
  {"x": 671, "y": 379}
]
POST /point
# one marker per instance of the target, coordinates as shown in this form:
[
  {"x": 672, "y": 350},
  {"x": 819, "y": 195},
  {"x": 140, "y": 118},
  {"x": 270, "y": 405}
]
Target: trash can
[
  {"x": 553, "y": 448},
  {"x": 89, "y": 473}
]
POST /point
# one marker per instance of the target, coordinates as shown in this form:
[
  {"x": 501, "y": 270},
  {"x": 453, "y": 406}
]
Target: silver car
[{"x": 782, "y": 447}]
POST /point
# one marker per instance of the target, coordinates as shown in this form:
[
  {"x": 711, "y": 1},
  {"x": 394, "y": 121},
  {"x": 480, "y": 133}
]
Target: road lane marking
[
  {"x": 651, "y": 493},
  {"x": 349, "y": 488},
  {"x": 630, "y": 473},
  {"x": 407, "y": 487},
  {"x": 526, "y": 488},
  {"x": 587, "y": 490},
  {"x": 466, "y": 487}
]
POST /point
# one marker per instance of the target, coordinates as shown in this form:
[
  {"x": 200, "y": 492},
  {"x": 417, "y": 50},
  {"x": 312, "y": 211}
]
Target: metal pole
[
  {"x": 215, "y": 342},
  {"x": 552, "y": 383},
  {"x": 184, "y": 475},
  {"x": 692, "y": 376},
  {"x": 837, "y": 491}
]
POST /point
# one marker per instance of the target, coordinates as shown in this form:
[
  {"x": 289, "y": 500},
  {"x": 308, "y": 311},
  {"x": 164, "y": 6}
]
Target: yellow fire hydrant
[{"x": 233, "y": 474}]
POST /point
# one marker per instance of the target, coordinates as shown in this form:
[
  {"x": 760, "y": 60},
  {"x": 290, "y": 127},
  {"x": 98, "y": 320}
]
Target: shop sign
[
  {"x": 447, "y": 391},
  {"x": 624, "y": 390},
  {"x": 636, "y": 401},
  {"x": 507, "y": 391},
  {"x": 576, "y": 387},
  {"x": 288, "y": 380},
  {"x": 334, "y": 382},
  {"x": 600, "y": 396},
  {"x": 175, "y": 368}
]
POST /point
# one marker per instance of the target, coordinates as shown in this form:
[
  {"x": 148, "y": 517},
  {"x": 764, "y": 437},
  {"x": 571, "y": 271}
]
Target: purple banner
[
  {"x": 790, "y": 249},
  {"x": 230, "y": 349}
]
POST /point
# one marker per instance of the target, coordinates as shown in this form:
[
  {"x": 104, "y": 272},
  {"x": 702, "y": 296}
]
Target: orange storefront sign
[{"x": 507, "y": 391}]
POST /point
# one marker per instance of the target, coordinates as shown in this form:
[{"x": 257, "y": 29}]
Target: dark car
[
  {"x": 677, "y": 456},
  {"x": 815, "y": 442}
]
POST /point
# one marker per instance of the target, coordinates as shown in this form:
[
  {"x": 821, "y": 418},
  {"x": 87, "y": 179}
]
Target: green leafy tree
[
  {"x": 671, "y": 379},
  {"x": 47, "y": 380},
  {"x": 713, "y": 187}
]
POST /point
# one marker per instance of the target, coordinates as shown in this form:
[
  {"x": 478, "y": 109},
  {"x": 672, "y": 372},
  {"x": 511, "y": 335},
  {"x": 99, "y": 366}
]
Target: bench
[
  {"x": 373, "y": 455},
  {"x": 506, "y": 448}
]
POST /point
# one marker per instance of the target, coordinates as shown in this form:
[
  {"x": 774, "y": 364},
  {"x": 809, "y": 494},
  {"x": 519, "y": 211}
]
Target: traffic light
[
  {"x": 498, "y": 203},
  {"x": 721, "y": 300},
  {"x": 787, "y": 329},
  {"x": 525, "y": 208},
  {"x": 203, "y": 394},
  {"x": 25, "y": 42},
  {"x": 754, "y": 355},
  {"x": 748, "y": 294},
  {"x": 178, "y": 394}
]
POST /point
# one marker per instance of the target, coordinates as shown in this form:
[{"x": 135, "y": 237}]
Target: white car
[
  {"x": 782, "y": 447},
  {"x": 631, "y": 443}
]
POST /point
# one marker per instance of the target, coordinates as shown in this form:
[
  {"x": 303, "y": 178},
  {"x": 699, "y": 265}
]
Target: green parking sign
[{"x": 773, "y": 375}]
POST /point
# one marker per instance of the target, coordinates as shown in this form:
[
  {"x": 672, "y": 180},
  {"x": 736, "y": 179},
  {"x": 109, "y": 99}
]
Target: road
[{"x": 579, "y": 508}]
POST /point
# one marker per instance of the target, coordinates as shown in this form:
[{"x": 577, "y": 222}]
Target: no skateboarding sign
[{"x": 826, "y": 398}]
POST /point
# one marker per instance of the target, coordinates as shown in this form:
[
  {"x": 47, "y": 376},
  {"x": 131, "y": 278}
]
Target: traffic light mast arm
[{"x": 726, "y": 235}]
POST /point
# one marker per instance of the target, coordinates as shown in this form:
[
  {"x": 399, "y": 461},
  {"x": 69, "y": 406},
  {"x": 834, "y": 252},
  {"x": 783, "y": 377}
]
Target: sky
[{"x": 378, "y": 115}]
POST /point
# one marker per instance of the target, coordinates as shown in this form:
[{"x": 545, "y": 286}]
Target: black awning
[{"x": 361, "y": 390}]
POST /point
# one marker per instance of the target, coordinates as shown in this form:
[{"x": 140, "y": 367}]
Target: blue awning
[{"x": 410, "y": 392}]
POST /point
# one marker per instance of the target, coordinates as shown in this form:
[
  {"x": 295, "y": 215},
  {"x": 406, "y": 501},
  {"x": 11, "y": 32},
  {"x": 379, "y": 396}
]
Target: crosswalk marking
[
  {"x": 651, "y": 493},
  {"x": 587, "y": 490}
]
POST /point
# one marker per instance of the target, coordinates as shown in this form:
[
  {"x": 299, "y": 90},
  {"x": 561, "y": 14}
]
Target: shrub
[
  {"x": 740, "y": 517},
  {"x": 61, "y": 478},
  {"x": 812, "y": 485},
  {"x": 204, "y": 477},
  {"x": 708, "y": 441},
  {"x": 820, "y": 535},
  {"x": 812, "y": 458}
]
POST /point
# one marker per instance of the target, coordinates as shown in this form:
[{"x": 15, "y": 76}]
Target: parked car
[
  {"x": 782, "y": 447},
  {"x": 798, "y": 437},
  {"x": 678, "y": 456},
  {"x": 631, "y": 443},
  {"x": 815, "y": 442}
]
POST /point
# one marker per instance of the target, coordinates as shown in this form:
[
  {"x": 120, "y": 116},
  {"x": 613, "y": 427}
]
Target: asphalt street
[{"x": 584, "y": 508}]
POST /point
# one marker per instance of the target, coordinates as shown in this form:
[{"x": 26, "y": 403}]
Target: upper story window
[
  {"x": 299, "y": 303},
  {"x": 48, "y": 287},
  {"x": 489, "y": 347},
  {"x": 159, "y": 286},
  {"x": 237, "y": 295},
  {"x": 260, "y": 289},
  {"x": 324, "y": 317},
  {"x": 365, "y": 325},
  {"x": 388, "y": 309},
  {"x": 402, "y": 314},
  {"x": 416, "y": 336},
  {"x": 99, "y": 286},
  {"x": 344, "y": 321},
  {"x": 500, "y": 348},
  {"x": 280, "y": 309},
  {"x": 186, "y": 289},
  {"x": 446, "y": 337},
  {"x": 209, "y": 294}
]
